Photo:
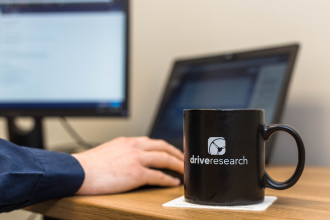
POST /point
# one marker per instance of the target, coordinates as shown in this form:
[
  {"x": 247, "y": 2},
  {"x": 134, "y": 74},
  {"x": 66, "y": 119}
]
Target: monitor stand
[{"x": 32, "y": 138}]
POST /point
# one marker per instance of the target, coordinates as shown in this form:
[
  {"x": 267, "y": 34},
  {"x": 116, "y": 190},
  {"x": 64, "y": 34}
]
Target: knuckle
[
  {"x": 120, "y": 138},
  {"x": 161, "y": 177},
  {"x": 139, "y": 172},
  {"x": 165, "y": 155},
  {"x": 165, "y": 144},
  {"x": 143, "y": 176},
  {"x": 162, "y": 141},
  {"x": 134, "y": 152},
  {"x": 132, "y": 142}
]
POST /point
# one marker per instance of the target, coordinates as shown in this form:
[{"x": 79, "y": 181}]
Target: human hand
[{"x": 123, "y": 164}]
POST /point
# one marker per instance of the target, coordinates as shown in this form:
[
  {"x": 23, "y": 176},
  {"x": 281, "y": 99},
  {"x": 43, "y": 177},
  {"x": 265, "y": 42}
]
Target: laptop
[{"x": 250, "y": 79}]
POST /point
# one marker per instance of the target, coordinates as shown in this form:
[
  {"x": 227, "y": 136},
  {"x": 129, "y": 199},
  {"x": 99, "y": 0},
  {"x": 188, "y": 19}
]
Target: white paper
[{"x": 180, "y": 203}]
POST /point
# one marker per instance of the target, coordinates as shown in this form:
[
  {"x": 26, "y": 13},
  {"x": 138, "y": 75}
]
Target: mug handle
[{"x": 268, "y": 130}]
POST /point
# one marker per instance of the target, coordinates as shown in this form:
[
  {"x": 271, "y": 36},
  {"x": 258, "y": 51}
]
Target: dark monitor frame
[
  {"x": 292, "y": 50},
  {"x": 94, "y": 112}
]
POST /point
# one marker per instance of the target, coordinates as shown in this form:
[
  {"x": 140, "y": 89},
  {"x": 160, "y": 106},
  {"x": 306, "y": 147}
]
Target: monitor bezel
[
  {"x": 84, "y": 112},
  {"x": 291, "y": 50}
]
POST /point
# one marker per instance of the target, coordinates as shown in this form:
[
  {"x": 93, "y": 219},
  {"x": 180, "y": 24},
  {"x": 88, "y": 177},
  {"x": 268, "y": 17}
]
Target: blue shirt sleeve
[{"x": 29, "y": 176}]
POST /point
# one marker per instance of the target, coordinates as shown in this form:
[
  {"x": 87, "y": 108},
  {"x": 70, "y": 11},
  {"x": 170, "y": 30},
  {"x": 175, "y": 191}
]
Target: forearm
[{"x": 29, "y": 176}]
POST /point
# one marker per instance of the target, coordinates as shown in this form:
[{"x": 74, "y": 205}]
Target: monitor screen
[
  {"x": 67, "y": 57},
  {"x": 247, "y": 83}
]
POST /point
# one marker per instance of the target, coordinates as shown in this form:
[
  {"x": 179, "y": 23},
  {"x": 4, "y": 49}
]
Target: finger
[
  {"x": 160, "y": 145},
  {"x": 156, "y": 177},
  {"x": 163, "y": 160}
]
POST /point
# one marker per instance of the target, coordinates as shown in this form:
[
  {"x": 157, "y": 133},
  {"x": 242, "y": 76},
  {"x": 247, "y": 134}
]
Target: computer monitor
[
  {"x": 64, "y": 58},
  {"x": 253, "y": 79}
]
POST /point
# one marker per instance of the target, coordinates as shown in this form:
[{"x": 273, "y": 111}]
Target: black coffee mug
[{"x": 224, "y": 156}]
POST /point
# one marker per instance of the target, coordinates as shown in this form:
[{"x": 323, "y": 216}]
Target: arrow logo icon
[{"x": 216, "y": 146}]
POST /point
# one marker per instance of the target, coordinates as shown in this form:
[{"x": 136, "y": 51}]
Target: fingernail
[{"x": 177, "y": 181}]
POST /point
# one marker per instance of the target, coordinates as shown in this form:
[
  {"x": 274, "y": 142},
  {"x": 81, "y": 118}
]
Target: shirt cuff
[{"x": 63, "y": 175}]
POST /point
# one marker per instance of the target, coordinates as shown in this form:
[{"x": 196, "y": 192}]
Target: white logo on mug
[{"x": 216, "y": 146}]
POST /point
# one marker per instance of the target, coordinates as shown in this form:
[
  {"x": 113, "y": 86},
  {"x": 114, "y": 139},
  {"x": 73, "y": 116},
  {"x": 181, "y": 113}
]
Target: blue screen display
[
  {"x": 63, "y": 55},
  {"x": 252, "y": 83}
]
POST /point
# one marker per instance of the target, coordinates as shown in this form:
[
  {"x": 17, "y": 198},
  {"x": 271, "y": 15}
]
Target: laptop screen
[{"x": 247, "y": 83}]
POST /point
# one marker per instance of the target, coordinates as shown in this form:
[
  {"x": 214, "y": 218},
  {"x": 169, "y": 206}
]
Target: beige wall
[{"x": 163, "y": 30}]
